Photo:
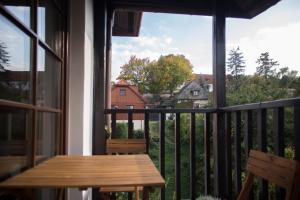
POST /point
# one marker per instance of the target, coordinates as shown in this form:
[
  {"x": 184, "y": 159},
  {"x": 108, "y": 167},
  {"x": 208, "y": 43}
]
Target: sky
[{"x": 277, "y": 31}]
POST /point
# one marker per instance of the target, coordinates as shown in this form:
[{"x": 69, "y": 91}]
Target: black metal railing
[{"x": 242, "y": 123}]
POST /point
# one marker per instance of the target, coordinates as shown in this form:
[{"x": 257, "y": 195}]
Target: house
[
  {"x": 194, "y": 93},
  {"x": 127, "y": 96},
  {"x": 70, "y": 42}
]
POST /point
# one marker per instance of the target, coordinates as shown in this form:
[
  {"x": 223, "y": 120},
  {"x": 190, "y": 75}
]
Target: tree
[
  {"x": 165, "y": 74},
  {"x": 266, "y": 65},
  {"x": 236, "y": 68},
  {"x": 135, "y": 72},
  {"x": 236, "y": 63},
  {"x": 4, "y": 56},
  {"x": 169, "y": 72}
]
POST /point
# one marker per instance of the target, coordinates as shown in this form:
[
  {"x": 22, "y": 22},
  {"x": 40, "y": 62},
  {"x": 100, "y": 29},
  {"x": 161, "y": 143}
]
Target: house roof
[
  {"x": 133, "y": 88},
  {"x": 208, "y": 78},
  {"x": 128, "y": 13}
]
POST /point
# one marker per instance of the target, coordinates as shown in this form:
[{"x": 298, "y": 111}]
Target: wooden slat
[
  {"x": 89, "y": 171},
  {"x": 147, "y": 136},
  {"x": 237, "y": 152},
  {"x": 278, "y": 133},
  {"x": 278, "y": 170},
  {"x": 193, "y": 157},
  {"x": 125, "y": 146},
  {"x": 162, "y": 151},
  {"x": 177, "y": 158},
  {"x": 207, "y": 135},
  {"x": 262, "y": 146},
  {"x": 228, "y": 156}
]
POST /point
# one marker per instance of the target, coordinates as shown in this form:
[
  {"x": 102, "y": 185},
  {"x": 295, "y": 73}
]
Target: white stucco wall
[{"x": 80, "y": 94}]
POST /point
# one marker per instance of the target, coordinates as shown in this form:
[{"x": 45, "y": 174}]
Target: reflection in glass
[
  {"x": 48, "y": 93},
  {"x": 21, "y": 9},
  {"x": 15, "y": 145},
  {"x": 15, "y": 62},
  {"x": 49, "y": 25},
  {"x": 47, "y": 135}
]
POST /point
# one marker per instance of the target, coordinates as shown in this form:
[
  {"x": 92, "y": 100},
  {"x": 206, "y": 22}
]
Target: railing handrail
[
  {"x": 264, "y": 105},
  {"x": 162, "y": 110},
  {"x": 251, "y": 106}
]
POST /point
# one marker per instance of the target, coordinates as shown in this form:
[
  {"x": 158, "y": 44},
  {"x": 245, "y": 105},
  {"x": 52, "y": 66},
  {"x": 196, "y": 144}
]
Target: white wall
[{"x": 80, "y": 94}]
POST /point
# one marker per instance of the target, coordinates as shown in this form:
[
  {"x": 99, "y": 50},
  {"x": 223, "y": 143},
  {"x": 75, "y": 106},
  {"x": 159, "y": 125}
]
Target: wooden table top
[{"x": 89, "y": 171}]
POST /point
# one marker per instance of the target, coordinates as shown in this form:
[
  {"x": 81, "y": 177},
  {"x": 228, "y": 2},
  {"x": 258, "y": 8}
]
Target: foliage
[
  {"x": 236, "y": 68},
  {"x": 135, "y": 71},
  {"x": 174, "y": 70},
  {"x": 266, "y": 65},
  {"x": 155, "y": 77},
  {"x": 4, "y": 56}
]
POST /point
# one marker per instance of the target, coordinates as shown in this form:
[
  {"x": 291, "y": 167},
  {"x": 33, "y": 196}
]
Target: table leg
[
  {"x": 146, "y": 193},
  {"x": 61, "y": 194}
]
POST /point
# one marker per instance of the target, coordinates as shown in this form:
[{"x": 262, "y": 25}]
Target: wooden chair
[
  {"x": 280, "y": 171},
  {"x": 123, "y": 146}
]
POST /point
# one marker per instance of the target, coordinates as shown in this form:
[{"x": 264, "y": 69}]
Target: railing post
[
  {"x": 262, "y": 146},
  {"x": 248, "y": 129},
  {"x": 237, "y": 152},
  {"x": 162, "y": 151},
  {"x": 130, "y": 125},
  {"x": 146, "y": 127},
  {"x": 297, "y": 131},
  {"x": 113, "y": 124},
  {"x": 177, "y": 157},
  {"x": 228, "y": 155},
  {"x": 278, "y": 131},
  {"x": 193, "y": 157},
  {"x": 207, "y": 134}
]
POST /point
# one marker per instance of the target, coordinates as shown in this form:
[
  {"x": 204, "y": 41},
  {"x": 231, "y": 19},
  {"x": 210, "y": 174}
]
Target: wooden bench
[
  {"x": 280, "y": 171},
  {"x": 124, "y": 146}
]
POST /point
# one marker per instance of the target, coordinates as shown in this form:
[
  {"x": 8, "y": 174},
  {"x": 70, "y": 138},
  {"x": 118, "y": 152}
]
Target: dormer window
[{"x": 195, "y": 92}]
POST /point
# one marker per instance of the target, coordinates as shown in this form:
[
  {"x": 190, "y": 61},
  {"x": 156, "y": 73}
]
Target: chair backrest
[
  {"x": 280, "y": 171},
  {"x": 125, "y": 146}
]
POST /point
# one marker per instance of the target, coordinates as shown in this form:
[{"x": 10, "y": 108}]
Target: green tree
[
  {"x": 135, "y": 72},
  {"x": 165, "y": 74},
  {"x": 236, "y": 68},
  {"x": 176, "y": 69},
  {"x": 266, "y": 65},
  {"x": 236, "y": 63},
  {"x": 4, "y": 56}
]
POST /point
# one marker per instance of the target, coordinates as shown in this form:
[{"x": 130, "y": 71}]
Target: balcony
[{"x": 268, "y": 126}]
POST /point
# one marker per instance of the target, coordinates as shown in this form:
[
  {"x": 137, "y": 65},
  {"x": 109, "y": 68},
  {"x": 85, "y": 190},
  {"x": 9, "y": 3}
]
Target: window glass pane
[
  {"x": 49, "y": 25},
  {"x": 20, "y": 8},
  {"x": 15, "y": 145},
  {"x": 48, "y": 77},
  {"x": 47, "y": 135},
  {"x": 15, "y": 62}
]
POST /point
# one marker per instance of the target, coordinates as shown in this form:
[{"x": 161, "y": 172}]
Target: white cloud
[{"x": 282, "y": 42}]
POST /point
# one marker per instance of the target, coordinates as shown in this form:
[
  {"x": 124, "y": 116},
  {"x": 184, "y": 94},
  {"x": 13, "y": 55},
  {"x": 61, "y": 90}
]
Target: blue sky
[{"x": 277, "y": 30}]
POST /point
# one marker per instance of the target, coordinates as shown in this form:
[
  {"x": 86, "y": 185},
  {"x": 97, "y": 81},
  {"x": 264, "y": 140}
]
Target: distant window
[
  {"x": 195, "y": 93},
  {"x": 122, "y": 92},
  {"x": 196, "y": 105},
  {"x": 130, "y": 106}
]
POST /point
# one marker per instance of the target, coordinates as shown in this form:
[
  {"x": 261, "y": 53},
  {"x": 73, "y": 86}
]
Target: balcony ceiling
[{"x": 129, "y": 12}]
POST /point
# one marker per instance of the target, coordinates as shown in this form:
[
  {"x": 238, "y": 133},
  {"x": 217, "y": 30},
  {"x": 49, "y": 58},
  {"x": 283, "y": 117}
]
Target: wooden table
[{"x": 89, "y": 172}]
